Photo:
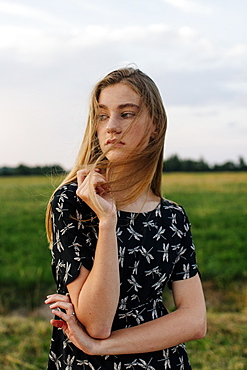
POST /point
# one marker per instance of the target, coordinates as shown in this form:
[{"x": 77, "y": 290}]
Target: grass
[
  {"x": 224, "y": 347},
  {"x": 214, "y": 202},
  {"x": 25, "y": 343},
  {"x": 216, "y": 206},
  {"x": 25, "y": 275}
]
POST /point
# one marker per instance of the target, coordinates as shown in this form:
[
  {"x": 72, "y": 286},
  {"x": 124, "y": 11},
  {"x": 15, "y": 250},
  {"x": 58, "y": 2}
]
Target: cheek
[{"x": 140, "y": 133}]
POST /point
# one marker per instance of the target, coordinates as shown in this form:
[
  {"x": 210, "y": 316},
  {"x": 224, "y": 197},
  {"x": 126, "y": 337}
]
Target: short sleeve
[
  {"x": 185, "y": 265},
  {"x": 74, "y": 236}
]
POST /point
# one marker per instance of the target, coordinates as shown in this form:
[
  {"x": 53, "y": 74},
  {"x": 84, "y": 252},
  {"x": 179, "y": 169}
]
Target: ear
[{"x": 153, "y": 133}]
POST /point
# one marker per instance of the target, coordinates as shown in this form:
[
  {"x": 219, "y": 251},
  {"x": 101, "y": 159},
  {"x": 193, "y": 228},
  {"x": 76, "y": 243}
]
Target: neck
[
  {"x": 130, "y": 194},
  {"x": 146, "y": 202}
]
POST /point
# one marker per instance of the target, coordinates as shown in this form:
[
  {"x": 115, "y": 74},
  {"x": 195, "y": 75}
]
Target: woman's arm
[
  {"x": 95, "y": 294},
  {"x": 186, "y": 323}
]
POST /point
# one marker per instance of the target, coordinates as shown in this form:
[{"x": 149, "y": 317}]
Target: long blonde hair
[{"x": 145, "y": 168}]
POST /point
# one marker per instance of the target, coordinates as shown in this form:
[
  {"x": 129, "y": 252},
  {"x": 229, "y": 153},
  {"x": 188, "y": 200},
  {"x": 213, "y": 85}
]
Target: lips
[{"x": 113, "y": 141}]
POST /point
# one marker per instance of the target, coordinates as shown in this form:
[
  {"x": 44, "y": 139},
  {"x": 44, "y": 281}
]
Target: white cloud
[
  {"x": 179, "y": 48},
  {"x": 238, "y": 50},
  {"x": 93, "y": 35},
  {"x": 139, "y": 33},
  {"x": 187, "y": 34},
  {"x": 190, "y": 6},
  {"x": 23, "y": 11},
  {"x": 18, "y": 36},
  {"x": 29, "y": 43},
  {"x": 237, "y": 86}
]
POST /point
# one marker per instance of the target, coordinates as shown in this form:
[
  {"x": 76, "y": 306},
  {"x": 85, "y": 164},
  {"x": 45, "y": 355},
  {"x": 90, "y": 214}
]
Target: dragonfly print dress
[{"x": 155, "y": 248}]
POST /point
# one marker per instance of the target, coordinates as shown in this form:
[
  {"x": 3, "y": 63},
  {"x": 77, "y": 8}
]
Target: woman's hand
[
  {"x": 94, "y": 179},
  {"x": 69, "y": 323}
]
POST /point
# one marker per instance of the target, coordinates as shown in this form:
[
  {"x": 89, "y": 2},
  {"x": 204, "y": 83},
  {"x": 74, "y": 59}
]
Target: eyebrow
[{"x": 121, "y": 106}]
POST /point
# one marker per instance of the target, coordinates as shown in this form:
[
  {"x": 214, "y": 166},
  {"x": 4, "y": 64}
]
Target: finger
[
  {"x": 102, "y": 189},
  {"x": 96, "y": 179},
  {"x": 64, "y": 316},
  {"x": 59, "y": 324},
  {"x": 57, "y": 297},
  {"x": 81, "y": 175},
  {"x": 64, "y": 305},
  {"x": 62, "y": 297}
]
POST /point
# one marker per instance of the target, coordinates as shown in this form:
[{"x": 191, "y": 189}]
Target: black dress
[{"x": 155, "y": 249}]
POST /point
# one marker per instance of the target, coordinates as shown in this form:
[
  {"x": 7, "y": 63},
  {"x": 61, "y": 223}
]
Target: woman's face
[{"x": 119, "y": 109}]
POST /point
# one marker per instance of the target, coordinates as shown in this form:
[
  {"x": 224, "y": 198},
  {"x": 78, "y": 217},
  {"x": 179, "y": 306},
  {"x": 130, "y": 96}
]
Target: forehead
[{"x": 118, "y": 94}]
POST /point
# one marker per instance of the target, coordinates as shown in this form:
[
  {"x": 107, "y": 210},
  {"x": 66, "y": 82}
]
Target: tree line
[
  {"x": 176, "y": 164},
  {"x": 172, "y": 164},
  {"x": 23, "y": 170}
]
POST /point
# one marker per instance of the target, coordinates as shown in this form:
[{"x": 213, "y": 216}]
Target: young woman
[{"x": 116, "y": 243}]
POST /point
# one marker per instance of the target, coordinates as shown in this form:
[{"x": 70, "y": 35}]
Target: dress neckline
[{"x": 141, "y": 213}]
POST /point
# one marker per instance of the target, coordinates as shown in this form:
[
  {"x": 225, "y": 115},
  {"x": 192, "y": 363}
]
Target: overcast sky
[{"x": 52, "y": 52}]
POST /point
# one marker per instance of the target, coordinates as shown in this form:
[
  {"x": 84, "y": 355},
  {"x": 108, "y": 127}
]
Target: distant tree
[
  {"x": 241, "y": 164},
  {"x": 52, "y": 170},
  {"x": 176, "y": 164},
  {"x": 173, "y": 163},
  {"x": 6, "y": 171},
  {"x": 227, "y": 166},
  {"x": 201, "y": 165},
  {"x": 23, "y": 170}
]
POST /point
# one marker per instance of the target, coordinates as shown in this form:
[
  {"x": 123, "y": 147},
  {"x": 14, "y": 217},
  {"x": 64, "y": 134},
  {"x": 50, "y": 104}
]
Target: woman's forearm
[
  {"x": 98, "y": 296},
  {"x": 186, "y": 323},
  {"x": 165, "y": 332}
]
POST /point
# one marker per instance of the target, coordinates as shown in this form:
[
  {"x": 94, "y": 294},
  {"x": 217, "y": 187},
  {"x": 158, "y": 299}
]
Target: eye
[
  {"x": 102, "y": 117},
  {"x": 127, "y": 115}
]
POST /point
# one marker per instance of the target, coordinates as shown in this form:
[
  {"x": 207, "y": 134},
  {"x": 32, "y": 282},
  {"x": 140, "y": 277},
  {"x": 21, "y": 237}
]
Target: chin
[{"x": 116, "y": 157}]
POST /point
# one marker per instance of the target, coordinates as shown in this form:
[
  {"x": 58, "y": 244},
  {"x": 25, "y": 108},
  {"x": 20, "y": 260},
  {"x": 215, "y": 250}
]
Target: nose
[{"x": 113, "y": 126}]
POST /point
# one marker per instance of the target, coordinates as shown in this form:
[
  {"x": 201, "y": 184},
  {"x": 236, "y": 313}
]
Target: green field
[
  {"x": 25, "y": 275},
  {"x": 216, "y": 206}
]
